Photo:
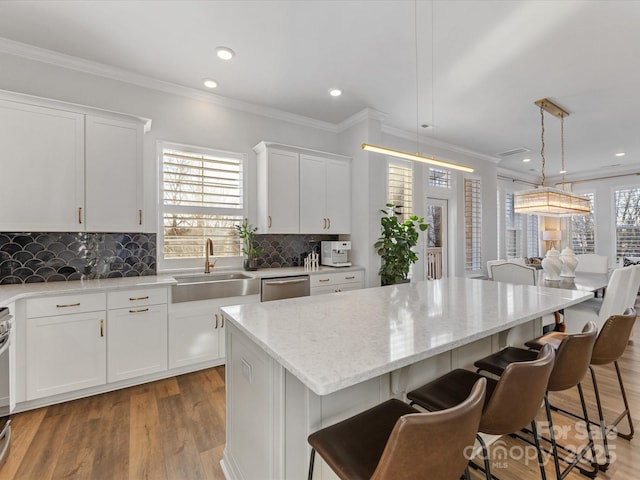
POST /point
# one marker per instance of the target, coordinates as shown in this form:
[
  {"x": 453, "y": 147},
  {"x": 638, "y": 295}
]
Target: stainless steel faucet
[{"x": 208, "y": 248}]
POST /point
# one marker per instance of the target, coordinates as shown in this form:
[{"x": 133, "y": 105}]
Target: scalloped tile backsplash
[{"x": 53, "y": 257}]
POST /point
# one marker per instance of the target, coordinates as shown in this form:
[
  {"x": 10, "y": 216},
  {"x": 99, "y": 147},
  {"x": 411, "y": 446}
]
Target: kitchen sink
[{"x": 191, "y": 288}]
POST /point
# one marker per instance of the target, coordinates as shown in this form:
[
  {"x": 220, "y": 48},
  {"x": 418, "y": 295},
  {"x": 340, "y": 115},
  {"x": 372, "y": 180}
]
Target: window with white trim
[
  {"x": 472, "y": 224},
  {"x": 400, "y": 186},
  {"x": 583, "y": 230},
  {"x": 627, "y": 222},
  {"x": 439, "y": 177},
  {"x": 513, "y": 229},
  {"x": 533, "y": 234},
  {"x": 201, "y": 197}
]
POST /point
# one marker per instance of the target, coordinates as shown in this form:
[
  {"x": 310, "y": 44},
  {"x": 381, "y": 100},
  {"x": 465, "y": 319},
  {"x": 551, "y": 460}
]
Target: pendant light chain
[
  {"x": 415, "y": 32},
  {"x": 562, "y": 147},
  {"x": 542, "y": 142}
]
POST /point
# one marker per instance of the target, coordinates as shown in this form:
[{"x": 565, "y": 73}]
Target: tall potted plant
[
  {"x": 396, "y": 242},
  {"x": 247, "y": 233}
]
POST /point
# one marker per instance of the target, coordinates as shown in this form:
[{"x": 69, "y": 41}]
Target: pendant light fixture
[
  {"x": 549, "y": 201},
  {"x": 417, "y": 156}
]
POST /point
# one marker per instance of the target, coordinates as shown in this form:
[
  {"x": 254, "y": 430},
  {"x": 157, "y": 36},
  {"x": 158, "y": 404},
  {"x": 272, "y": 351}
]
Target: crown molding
[
  {"x": 51, "y": 57},
  {"x": 432, "y": 142},
  {"x": 361, "y": 116}
]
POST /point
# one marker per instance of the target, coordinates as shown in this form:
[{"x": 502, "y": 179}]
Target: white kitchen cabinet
[
  {"x": 72, "y": 168},
  {"x": 302, "y": 191},
  {"x": 43, "y": 168},
  {"x": 137, "y": 335},
  {"x": 65, "y": 351},
  {"x": 336, "y": 282},
  {"x": 278, "y": 190},
  {"x": 196, "y": 330},
  {"x": 325, "y": 195},
  {"x": 113, "y": 164}
]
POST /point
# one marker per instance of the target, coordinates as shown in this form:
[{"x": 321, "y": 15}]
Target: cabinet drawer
[
  {"x": 65, "y": 304},
  {"x": 325, "y": 279},
  {"x": 138, "y": 297}
]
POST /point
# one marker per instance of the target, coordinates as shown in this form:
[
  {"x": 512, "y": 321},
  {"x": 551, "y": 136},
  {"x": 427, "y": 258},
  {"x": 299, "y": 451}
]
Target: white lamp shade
[{"x": 552, "y": 235}]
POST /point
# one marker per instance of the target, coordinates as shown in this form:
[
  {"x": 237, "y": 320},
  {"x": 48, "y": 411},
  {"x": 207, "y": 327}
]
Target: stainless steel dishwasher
[{"x": 284, "y": 287}]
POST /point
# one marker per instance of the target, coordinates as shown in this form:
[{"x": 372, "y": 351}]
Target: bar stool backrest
[
  {"x": 573, "y": 358},
  {"x": 433, "y": 444},
  {"x": 613, "y": 338},
  {"x": 518, "y": 395},
  {"x": 616, "y": 297}
]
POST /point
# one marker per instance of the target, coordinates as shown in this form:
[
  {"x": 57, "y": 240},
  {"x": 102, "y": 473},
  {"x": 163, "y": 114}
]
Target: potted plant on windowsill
[
  {"x": 247, "y": 233},
  {"x": 396, "y": 242}
]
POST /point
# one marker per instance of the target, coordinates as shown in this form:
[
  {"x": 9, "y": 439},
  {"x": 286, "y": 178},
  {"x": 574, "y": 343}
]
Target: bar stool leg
[
  {"x": 554, "y": 446},
  {"x": 534, "y": 430},
  {"x": 312, "y": 459},
  {"x": 628, "y": 436},
  {"x": 603, "y": 427},
  {"x": 594, "y": 458}
]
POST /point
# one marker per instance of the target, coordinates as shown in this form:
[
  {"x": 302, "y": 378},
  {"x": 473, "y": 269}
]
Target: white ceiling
[{"x": 491, "y": 60}]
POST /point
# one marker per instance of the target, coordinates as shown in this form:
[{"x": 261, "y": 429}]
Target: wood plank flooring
[{"x": 174, "y": 429}]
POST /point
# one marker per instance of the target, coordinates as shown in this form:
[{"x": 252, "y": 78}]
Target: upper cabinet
[
  {"x": 302, "y": 191},
  {"x": 42, "y": 158},
  {"x": 325, "y": 195},
  {"x": 69, "y": 168},
  {"x": 113, "y": 164}
]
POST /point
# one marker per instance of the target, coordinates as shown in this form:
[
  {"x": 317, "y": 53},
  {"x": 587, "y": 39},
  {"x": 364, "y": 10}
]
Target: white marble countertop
[
  {"x": 330, "y": 342},
  {"x": 11, "y": 293}
]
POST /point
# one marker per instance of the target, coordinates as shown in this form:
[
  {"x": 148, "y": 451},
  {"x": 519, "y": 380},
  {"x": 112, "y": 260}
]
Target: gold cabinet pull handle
[
  {"x": 324, "y": 279},
  {"x": 216, "y": 315},
  {"x": 80, "y": 215},
  {"x": 139, "y": 311},
  {"x": 68, "y": 305},
  {"x": 269, "y": 221},
  {"x": 350, "y": 278},
  {"x": 222, "y": 323},
  {"x": 140, "y": 217},
  {"x": 102, "y": 328},
  {"x": 138, "y": 298}
]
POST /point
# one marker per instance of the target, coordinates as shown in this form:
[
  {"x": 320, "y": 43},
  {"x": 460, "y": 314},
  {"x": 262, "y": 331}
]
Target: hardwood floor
[{"x": 174, "y": 429}]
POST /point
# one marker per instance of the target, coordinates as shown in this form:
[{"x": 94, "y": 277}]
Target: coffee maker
[{"x": 335, "y": 254}]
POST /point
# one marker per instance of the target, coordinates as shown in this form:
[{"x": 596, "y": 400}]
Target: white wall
[{"x": 200, "y": 122}]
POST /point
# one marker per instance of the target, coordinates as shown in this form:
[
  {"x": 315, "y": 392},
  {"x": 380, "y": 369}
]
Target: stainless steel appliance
[
  {"x": 284, "y": 287},
  {"x": 335, "y": 254},
  {"x": 5, "y": 383}
]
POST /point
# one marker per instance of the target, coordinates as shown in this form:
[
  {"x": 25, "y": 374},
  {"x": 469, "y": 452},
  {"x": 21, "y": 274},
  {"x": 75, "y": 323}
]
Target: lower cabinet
[
  {"x": 75, "y": 342},
  {"x": 137, "y": 334},
  {"x": 137, "y": 343},
  {"x": 196, "y": 330},
  {"x": 336, "y": 282},
  {"x": 65, "y": 352}
]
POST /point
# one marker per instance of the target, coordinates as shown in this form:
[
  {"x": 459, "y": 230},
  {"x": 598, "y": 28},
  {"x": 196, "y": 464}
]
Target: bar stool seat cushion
[
  {"x": 497, "y": 362},
  {"x": 354, "y": 446},
  {"x": 448, "y": 390}
]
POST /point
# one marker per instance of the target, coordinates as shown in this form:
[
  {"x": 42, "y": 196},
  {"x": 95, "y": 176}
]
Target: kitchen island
[{"x": 298, "y": 365}]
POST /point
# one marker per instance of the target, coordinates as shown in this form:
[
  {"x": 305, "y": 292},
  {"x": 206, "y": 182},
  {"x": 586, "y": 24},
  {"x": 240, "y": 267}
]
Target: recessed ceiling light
[
  {"x": 526, "y": 160},
  {"x": 620, "y": 154},
  {"x": 210, "y": 83},
  {"x": 335, "y": 92},
  {"x": 225, "y": 53}
]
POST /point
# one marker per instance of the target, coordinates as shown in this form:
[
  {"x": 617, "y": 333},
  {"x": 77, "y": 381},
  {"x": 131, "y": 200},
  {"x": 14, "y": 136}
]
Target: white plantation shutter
[
  {"x": 513, "y": 229},
  {"x": 439, "y": 177},
  {"x": 533, "y": 234},
  {"x": 628, "y": 222},
  {"x": 472, "y": 224},
  {"x": 202, "y": 198},
  {"x": 582, "y": 230},
  {"x": 400, "y": 186}
]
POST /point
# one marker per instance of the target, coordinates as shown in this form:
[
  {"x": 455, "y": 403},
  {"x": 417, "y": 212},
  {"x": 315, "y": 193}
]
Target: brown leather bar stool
[
  {"x": 383, "y": 442},
  {"x": 522, "y": 384},
  {"x": 572, "y": 361},
  {"x": 609, "y": 347}
]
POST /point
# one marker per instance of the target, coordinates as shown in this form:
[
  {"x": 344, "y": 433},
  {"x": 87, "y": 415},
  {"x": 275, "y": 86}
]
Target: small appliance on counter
[{"x": 335, "y": 254}]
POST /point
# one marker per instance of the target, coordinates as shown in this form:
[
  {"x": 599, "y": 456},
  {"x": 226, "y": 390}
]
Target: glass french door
[{"x": 436, "y": 254}]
